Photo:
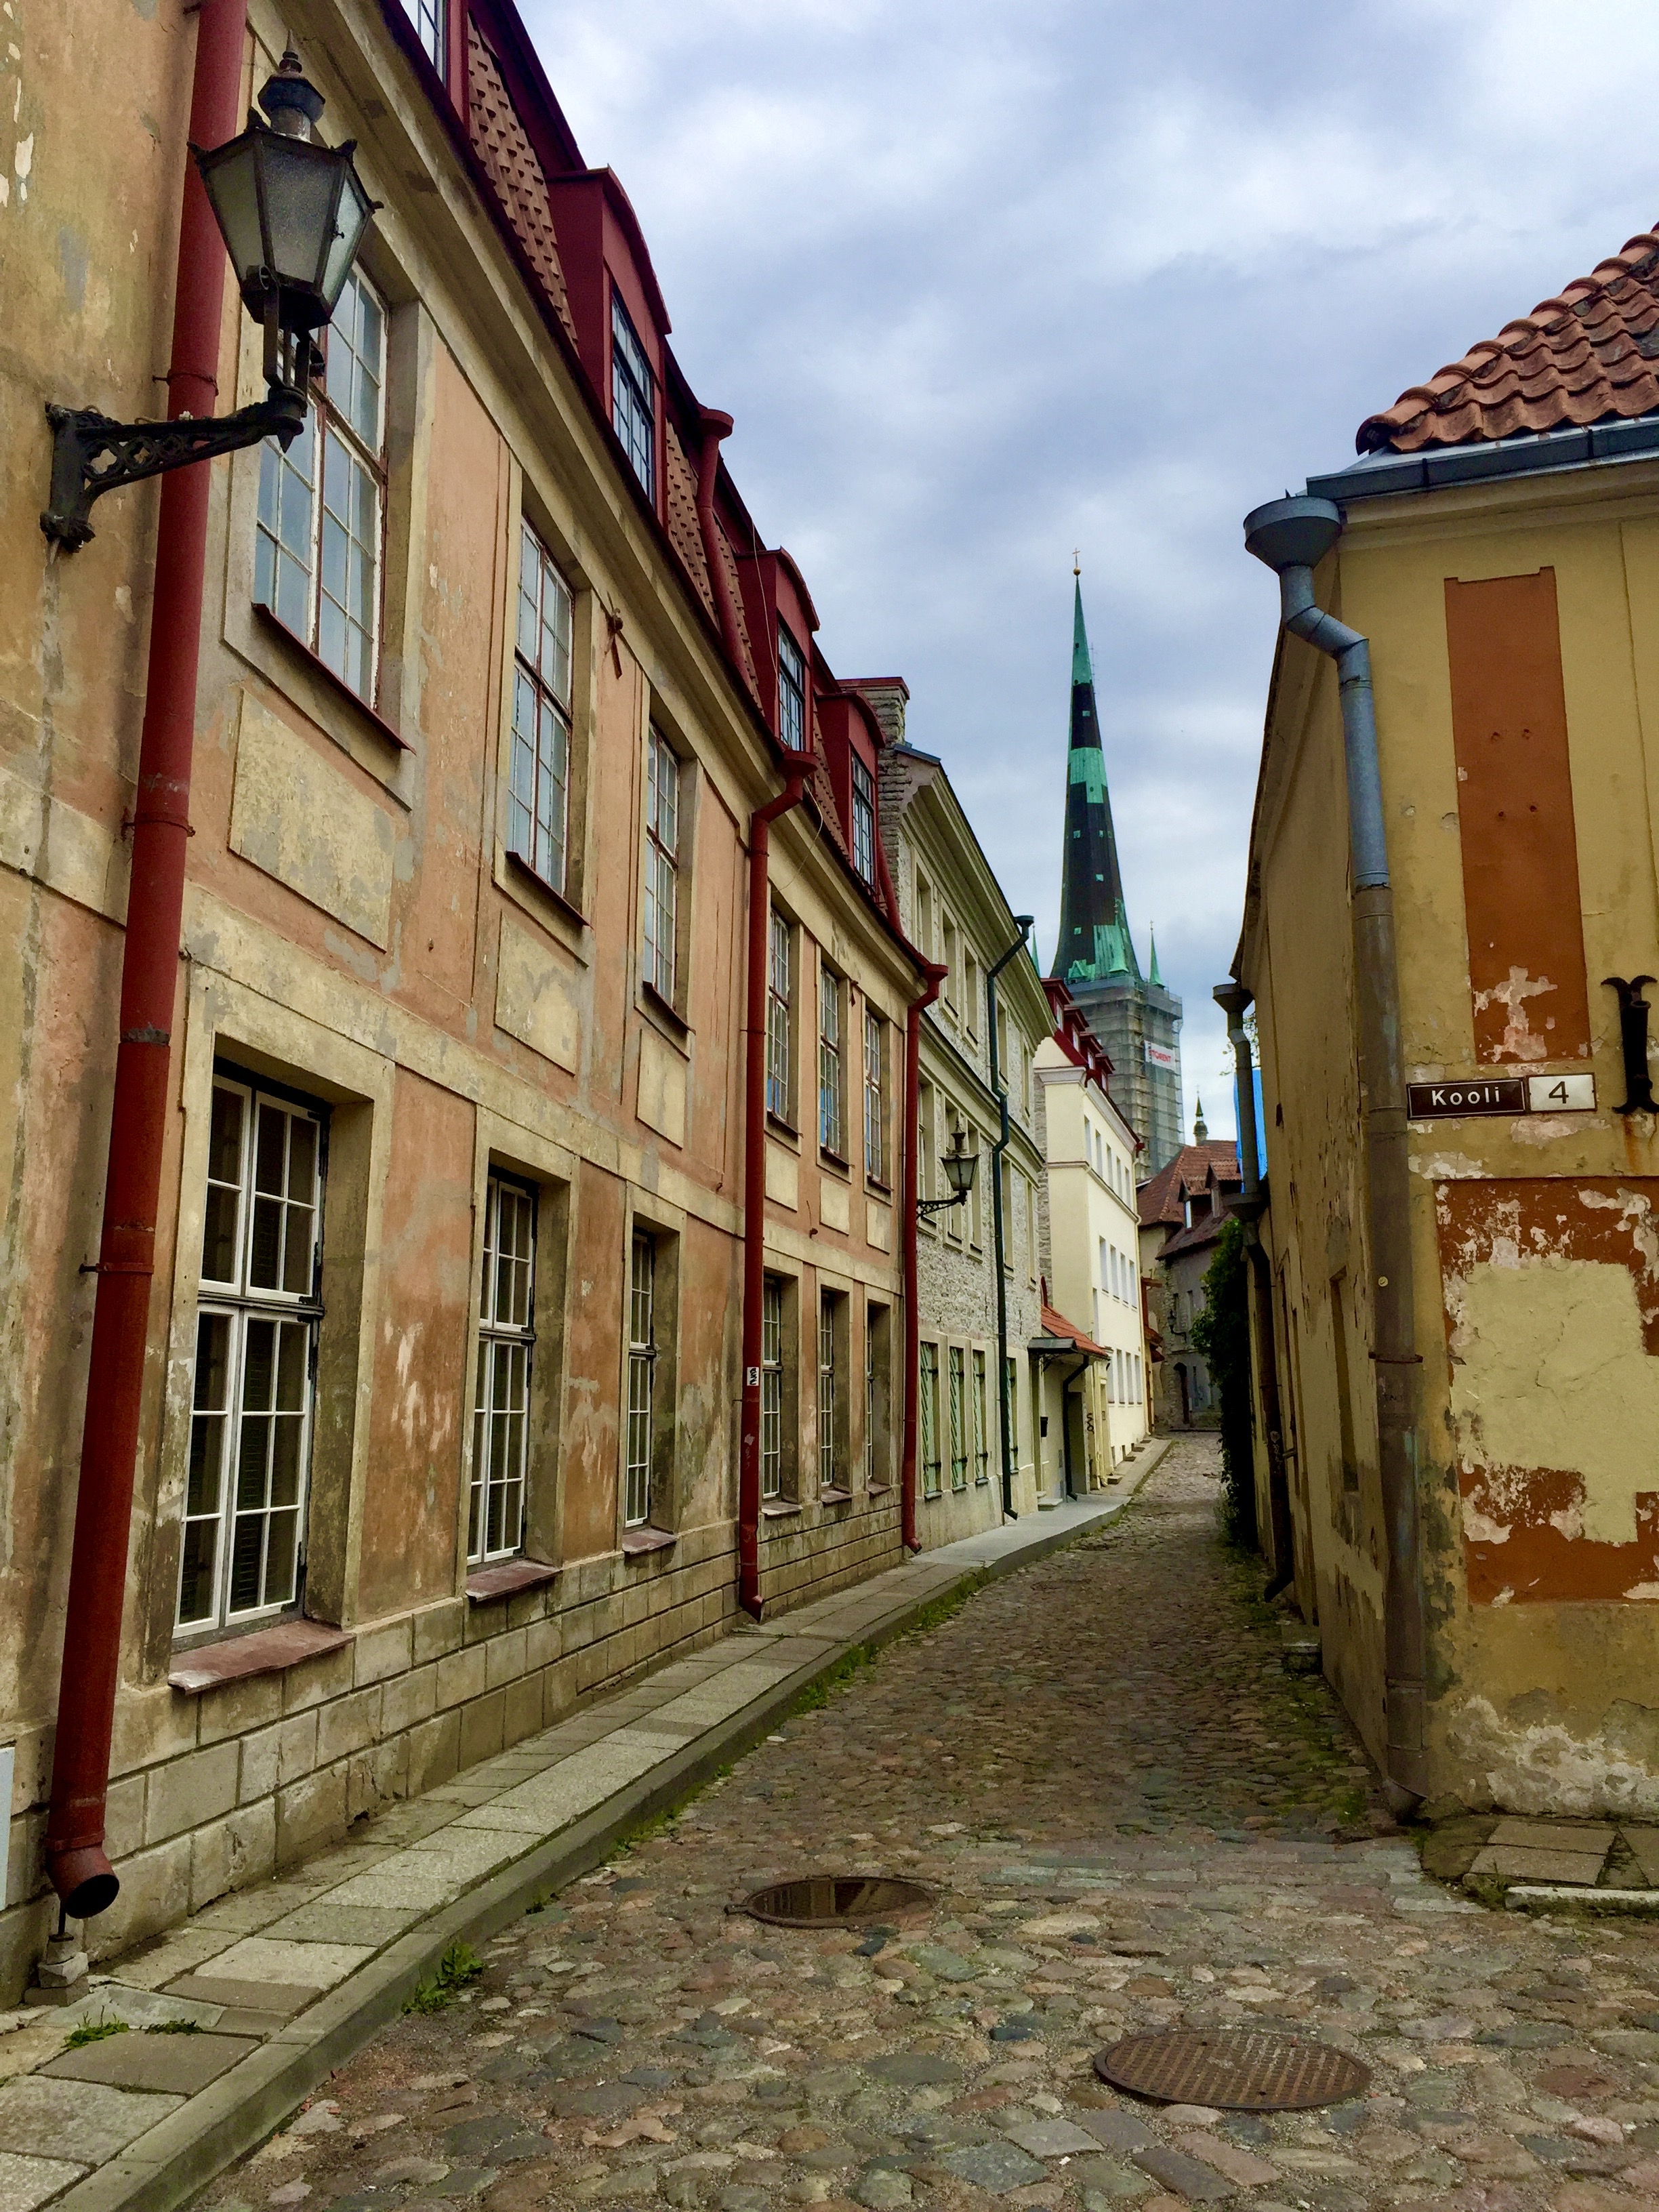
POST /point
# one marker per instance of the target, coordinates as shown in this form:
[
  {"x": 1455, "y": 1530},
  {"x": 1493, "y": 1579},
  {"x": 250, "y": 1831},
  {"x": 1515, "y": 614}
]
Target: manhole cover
[
  {"x": 1238, "y": 2069},
  {"x": 826, "y": 1900}
]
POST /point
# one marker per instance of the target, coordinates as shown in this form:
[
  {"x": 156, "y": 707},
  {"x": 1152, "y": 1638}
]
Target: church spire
[{"x": 1094, "y": 944}]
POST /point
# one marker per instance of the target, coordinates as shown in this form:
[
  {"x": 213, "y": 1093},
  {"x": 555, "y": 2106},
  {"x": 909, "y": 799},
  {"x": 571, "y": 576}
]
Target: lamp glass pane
[
  {"x": 233, "y": 191},
  {"x": 301, "y": 180},
  {"x": 351, "y": 221}
]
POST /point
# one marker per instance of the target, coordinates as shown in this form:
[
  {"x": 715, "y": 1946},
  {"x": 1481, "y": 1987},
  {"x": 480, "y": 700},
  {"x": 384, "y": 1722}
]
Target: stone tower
[{"x": 1136, "y": 1020}]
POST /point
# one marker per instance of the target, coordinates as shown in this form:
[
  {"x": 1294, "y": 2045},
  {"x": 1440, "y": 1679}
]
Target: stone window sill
[
  {"x": 519, "y": 867},
  {"x": 504, "y": 1578},
  {"x": 876, "y": 1489},
  {"x": 325, "y": 675},
  {"x": 779, "y": 1509},
  {"x": 831, "y": 1494},
  {"x": 636, "y": 1543},
  {"x": 264, "y": 1651}
]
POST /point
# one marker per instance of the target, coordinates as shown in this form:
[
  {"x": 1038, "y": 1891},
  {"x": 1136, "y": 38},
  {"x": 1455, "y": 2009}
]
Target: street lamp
[
  {"x": 959, "y": 1165},
  {"x": 292, "y": 213}
]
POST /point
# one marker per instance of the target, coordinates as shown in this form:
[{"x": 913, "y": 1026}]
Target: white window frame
[
  {"x": 792, "y": 691},
  {"x": 538, "y": 776},
  {"x": 641, "y": 1377},
  {"x": 832, "y": 1069},
  {"x": 505, "y": 1356},
  {"x": 430, "y": 18},
  {"x": 633, "y": 396},
  {"x": 863, "y": 820},
  {"x": 341, "y": 449},
  {"x": 829, "y": 1392},
  {"x": 664, "y": 809},
  {"x": 981, "y": 1423},
  {"x": 240, "y": 1308},
  {"x": 957, "y": 1370},
  {"x": 875, "y": 1097},
  {"x": 771, "y": 1390},
  {"x": 927, "y": 1414},
  {"x": 780, "y": 988}
]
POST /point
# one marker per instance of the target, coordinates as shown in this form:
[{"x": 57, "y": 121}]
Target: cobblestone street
[{"x": 1134, "y": 1819}]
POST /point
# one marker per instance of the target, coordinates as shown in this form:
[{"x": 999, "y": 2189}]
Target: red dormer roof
[
  {"x": 1212, "y": 1167},
  {"x": 1589, "y": 354},
  {"x": 1080, "y": 1043},
  {"x": 1054, "y": 1323}
]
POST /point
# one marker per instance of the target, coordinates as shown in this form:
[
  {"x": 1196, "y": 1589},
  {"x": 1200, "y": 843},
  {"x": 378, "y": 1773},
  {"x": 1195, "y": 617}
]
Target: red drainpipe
[
  {"x": 754, "y": 1177},
  {"x": 911, "y": 1193},
  {"x": 716, "y": 426},
  {"x": 75, "y": 1859}
]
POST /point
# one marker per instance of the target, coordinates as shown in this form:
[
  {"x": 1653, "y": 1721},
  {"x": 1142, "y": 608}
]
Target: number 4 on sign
[{"x": 1561, "y": 1094}]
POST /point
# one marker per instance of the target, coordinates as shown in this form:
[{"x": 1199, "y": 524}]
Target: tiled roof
[
  {"x": 1204, "y": 1231},
  {"x": 1590, "y": 354},
  {"x": 503, "y": 144},
  {"x": 1164, "y": 1198},
  {"x": 1054, "y": 1323}
]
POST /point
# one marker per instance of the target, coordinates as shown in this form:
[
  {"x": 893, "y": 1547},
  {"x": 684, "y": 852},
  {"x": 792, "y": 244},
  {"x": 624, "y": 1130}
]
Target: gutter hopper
[{"x": 1292, "y": 533}]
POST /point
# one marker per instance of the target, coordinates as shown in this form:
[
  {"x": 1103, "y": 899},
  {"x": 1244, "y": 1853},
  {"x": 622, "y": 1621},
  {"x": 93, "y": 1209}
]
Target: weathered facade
[
  {"x": 955, "y": 913},
  {"x": 440, "y": 1429},
  {"x": 1460, "y": 1135},
  {"x": 1090, "y": 1259}
]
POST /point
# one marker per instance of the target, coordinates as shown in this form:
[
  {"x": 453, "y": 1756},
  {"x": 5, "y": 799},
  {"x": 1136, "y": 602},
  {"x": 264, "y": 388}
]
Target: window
[
  {"x": 317, "y": 541},
  {"x": 538, "y": 784},
  {"x": 863, "y": 820},
  {"x": 427, "y": 17},
  {"x": 255, "y": 1340},
  {"x": 928, "y": 1169},
  {"x": 779, "y": 970},
  {"x": 501, "y": 1400},
  {"x": 959, "y": 1392},
  {"x": 792, "y": 693},
  {"x": 830, "y": 1134},
  {"x": 927, "y": 1412},
  {"x": 982, "y": 1425},
  {"x": 641, "y": 1376},
  {"x": 952, "y": 963},
  {"x": 875, "y": 1100},
  {"x": 1104, "y": 1278},
  {"x": 632, "y": 406},
  {"x": 662, "y": 845},
  {"x": 1011, "y": 1384},
  {"x": 970, "y": 987},
  {"x": 924, "y": 915},
  {"x": 875, "y": 1324},
  {"x": 827, "y": 1391},
  {"x": 771, "y": 1388}
]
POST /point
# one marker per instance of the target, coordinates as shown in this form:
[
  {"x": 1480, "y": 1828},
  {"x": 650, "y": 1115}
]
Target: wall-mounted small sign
[
  {"x": 1501, "y": 1094},
  {"x": 1159, "y": 1055}
]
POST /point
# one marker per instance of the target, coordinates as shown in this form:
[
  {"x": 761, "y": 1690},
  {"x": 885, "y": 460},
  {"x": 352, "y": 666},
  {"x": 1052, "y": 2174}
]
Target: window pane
[
  {"x": 427, "y": 17},
  {"x": 223, "y": 1211},
  {"x": 501, "y": 1394},
  {"x": 538, "y": 798},
  {"x": 633, "y": 397}
]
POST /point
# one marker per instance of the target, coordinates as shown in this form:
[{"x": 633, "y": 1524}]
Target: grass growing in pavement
[
  {"x": 92, "y": 2031},
  {"x": 174, "y": 2027},
  {"x": 459, "y": 1965}
]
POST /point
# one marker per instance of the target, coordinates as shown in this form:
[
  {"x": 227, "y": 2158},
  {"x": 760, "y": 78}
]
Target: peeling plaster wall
[{"x": 1534, "y": 1239}]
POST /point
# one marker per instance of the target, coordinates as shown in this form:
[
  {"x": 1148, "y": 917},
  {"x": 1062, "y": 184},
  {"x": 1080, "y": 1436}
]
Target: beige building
[
  {"x": 1092, "y": 1253},
  {"x": 956, "y": 915},
  {"x": 442, "y": 1410},
  {"x": 1452, "y": 920}
]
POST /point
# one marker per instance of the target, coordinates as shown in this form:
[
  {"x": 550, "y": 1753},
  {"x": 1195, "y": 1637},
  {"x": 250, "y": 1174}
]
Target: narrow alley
[{"x": 1133, "y": 1818}]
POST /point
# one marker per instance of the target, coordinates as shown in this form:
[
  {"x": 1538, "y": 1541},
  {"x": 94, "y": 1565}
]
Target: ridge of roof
[
  {"x": 1163, "y": 1197},
  {"x": 1588, "y": 354}
]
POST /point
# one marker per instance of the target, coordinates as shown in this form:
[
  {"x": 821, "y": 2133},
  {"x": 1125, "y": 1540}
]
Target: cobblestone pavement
[{"x": 1134, "y": 1819}]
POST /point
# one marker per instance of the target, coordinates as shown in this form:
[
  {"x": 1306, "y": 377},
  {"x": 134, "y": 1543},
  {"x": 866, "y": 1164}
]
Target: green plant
[
  {"x": 459, "y": 1966},
  {"x": 92, "y": 2031},
  {"x": 174, "y": 2027},
  {"x": 1222, "y": 1333}
]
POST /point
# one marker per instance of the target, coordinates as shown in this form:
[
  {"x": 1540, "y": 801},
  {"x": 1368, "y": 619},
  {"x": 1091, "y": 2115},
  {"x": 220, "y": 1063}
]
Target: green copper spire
[
  {"x": 1095, "y": 944},
  {"x": 1152, "y": 939}
]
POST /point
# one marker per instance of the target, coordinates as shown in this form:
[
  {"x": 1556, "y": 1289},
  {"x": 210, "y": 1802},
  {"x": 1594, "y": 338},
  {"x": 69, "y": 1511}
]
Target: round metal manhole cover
[
  {"x": 833, "y": 1900},
  {"x": 1237, "y": 2070}
]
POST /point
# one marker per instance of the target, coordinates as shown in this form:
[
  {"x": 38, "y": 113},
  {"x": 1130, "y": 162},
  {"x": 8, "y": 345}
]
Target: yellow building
[{"x": 1451, "y": 919}]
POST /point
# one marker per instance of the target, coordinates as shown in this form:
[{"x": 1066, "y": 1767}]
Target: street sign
[{"x": 1501, "y": 1094}]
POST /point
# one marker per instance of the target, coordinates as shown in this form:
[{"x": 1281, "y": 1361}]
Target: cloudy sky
[{"x": 982, "y": 282}]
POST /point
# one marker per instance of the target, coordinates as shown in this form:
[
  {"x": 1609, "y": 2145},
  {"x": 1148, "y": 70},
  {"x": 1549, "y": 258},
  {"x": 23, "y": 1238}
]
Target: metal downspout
[
  {"x": 1291, "y": 536},
  {"x": 754, "y": 1177},
  {"x": 1004, "y": 1412},
  {"x": 76, "y": 1861},
  {"x": 910, "y": 1192}
]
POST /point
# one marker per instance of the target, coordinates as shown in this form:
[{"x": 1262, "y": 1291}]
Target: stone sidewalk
[{"x": 229, "y": 2020}]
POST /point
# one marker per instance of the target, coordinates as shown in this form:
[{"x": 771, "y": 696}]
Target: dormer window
[
  {"x": 863, "y": 820},
  {"x": 792, "y": 693},
  {"x": 427, "y": 17},
  {"x": 633, "y": 408}
]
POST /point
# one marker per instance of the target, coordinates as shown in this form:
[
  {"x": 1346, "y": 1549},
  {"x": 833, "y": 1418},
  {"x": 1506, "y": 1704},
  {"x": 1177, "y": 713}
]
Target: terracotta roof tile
[
  {"x": 1054, "y": 1323},
  {"x": 502, "y": 144},
  {"x": 1164, "y": 1197},
  {"x": 1590, "y": 354},
  {"x": 685, "y": 529}
]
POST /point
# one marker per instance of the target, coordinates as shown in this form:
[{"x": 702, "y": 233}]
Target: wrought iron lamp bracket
[
  {"x": 941, "y": 1205},
  {"x": 92, "y": 453}
]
